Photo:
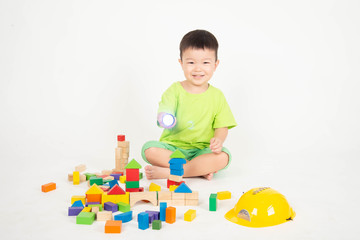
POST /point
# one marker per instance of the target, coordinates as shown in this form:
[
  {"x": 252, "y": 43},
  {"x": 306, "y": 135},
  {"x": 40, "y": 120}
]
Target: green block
[
  {"x": 156, "y": 225},
  {"x": 123, "y": 207},
  {"x": 133, "y": 164},
  {"x": 213, "y": 202},
  {"x": 132, "y": 184},
  {"x": 85, "y": 218},
  {"x": 141, "y": 175},
  {"x": 89, "y": 175},
  {"x": 96, "y": 205},
  {"x": 99, "y": 181},
  {"x": 177, "y": 154},
  {"x": 107, "y": 180}
]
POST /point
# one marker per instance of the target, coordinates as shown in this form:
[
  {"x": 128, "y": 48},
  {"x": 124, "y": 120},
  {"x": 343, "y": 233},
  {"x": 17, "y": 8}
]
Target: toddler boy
[{"x": 201, "y": 116}]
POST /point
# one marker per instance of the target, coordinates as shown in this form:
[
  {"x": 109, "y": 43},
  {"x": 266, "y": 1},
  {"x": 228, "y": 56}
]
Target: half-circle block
[{"x": 138, "y": 196}]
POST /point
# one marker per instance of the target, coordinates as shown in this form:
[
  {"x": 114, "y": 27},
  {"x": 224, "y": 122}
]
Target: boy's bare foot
[
  {"x": 155, "y": 172},
  {"x": 209, "y": 176}
]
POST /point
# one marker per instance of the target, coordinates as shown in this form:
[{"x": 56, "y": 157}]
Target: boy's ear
[
  {"x": 180, "y": 61},
  {"x": 217, "y": 63}
]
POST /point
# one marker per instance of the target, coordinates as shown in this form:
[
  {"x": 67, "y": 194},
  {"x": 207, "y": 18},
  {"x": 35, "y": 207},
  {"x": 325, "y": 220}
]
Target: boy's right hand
[{"x": 216, "y": 145}]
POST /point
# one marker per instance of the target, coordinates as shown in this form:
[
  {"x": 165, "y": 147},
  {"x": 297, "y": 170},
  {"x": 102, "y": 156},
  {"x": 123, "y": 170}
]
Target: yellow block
[
  {"x": 122, "y": 179},
  {"x": 116, "y": 198},
  {"x": 190, "y": 215},
  {"x": 172, "y": 188},
  {"x": 76, "y": 178},
  {"x": 223, "y": 195},
  {"x": 154, "y": 187},
  {"x": 76, "y": 198},
  {"x": 86, "y": 209}
]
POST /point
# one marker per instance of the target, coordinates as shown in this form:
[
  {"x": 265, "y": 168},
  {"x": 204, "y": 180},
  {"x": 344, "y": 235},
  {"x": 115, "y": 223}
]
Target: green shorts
[{"x": 189, "y": 153}]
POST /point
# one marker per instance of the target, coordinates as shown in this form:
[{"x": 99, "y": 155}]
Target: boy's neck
[{"x": 193, "y": 89}]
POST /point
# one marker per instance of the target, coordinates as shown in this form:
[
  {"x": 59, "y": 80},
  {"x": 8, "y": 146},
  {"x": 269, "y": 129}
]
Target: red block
[
  {"x": 121, "y": 138},
  {"x": 135, "y": 189},
  {"x": 132, "y": 175},
  {"x": 169, "y": 183}
]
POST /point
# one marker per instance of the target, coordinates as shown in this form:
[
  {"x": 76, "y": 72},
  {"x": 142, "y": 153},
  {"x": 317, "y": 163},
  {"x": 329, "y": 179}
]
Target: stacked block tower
[
  {"x": 177, "y": 160},
  {"x": 121, "y": 154},
  {"x": 133, "y": 177}
]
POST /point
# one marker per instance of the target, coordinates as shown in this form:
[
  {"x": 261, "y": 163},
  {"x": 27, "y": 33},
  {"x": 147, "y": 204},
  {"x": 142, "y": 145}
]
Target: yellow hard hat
[{"x": 261, "y": 207}]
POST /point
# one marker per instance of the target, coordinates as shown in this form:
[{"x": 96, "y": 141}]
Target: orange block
[
  {"x": 112, "y": 226},
  {"x": 170, "y": 215},
  {"x": 48, "y": 187},
  {"x": 93, "y": 197}
]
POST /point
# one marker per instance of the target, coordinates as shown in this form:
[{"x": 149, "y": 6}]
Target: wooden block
[
  {"x": 82, "y": 178},
  {"x": 112, "y": 226},
  {"x": 125, "y": 198},
  {"x": 178, "y": 202},
  {"x": 154, "y": 187},
  {"x": 168, "y": 202},
  {"x": 108, "y": 178},
  {"x": 191, "y": 202},
  {"x": 70, "y": 177},
  {"x": 172, "y": 188},
  {"x": 175, "y": 178},
  {"x": 124, "y": 155},
  {"x": 164, "y": 195},
  {"x": 104, "y": 216},
  {"x": 106, "y": 172},
  {"x": 80, "y": 168},
  {"x": 76, "y": 178},
  {"x": 193, "y": 195},
  {"x": 123, "y": 144},
  {"x": 95, "y": 209},
  {"x": 48, "y": 187},
  {"x": 177, "y": 196},
  {"x": 138, "y": 196},
  {"x": 77, "y": 197},
  {"x": 213, "y": 202},
  {"x": 86, "y": 209},
  {"x": 190, "y": 215},
  {"x": 122, "y": 179},
  {"x": 170, "y": 215},
  {"x": 223, "y": 195}
]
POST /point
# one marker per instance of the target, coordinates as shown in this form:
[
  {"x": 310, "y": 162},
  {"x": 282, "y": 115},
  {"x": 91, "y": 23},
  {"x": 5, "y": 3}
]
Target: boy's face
[{"x": 198, "y": 65}]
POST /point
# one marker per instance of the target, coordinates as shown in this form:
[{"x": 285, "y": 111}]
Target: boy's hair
[{"x": 199, "y": 39}]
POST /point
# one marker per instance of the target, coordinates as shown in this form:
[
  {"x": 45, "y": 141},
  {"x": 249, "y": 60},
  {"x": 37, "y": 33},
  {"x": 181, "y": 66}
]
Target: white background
[{"x": 74, "y": 74}]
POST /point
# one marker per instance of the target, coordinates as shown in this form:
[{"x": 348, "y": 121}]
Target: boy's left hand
[{"x": 216, "y": 145}]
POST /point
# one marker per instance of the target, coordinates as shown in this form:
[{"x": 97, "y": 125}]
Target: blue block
[
  {"x": 143, "y": 220},
  {"x": 163, "y": 206},
  {"x": 116, "y": 175},
  {"x": 183, "y": 188},
  {"x": 177, "y": 161},
  {"x": 177, "y": 172},
  {"x": 77, "y": 203},
  {"x": 113, "y": 183},
  {"x": 124, "y": 217},
  {"x": 176, "y": 167}
]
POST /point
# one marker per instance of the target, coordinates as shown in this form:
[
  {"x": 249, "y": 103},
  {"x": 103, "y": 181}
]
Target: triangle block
[
  {"x": 116, "y": 190},
  {"x": 112, "y": 183},
  {"x": 177, "y": 154},
  {"x": 183, "y": 188},
  {"x": 94, "y": 190},
  {"x": 133, "y": 164}
]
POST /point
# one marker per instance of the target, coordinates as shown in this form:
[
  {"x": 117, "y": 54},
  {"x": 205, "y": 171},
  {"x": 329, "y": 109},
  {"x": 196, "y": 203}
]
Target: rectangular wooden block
[
  {"x": 104, "y": 216},
  {"x": 224, "y": 195},
  {"x": 106, "y": 172},
  {"x": 178, "y": 202},
  {"x": 164, "y": 195},
  {"x": 123, "y": 144},
  {"x": 193, "y": 195},
  {"x": 175, "y": 178},
  {"x": 77, "y": 197},
  {"x": 80, "y": 168},
  {"x": 112, "y": 226},
  {"x": 177, "y": 196},
  {"x": 190, "y": 215},
  {"x": 170, "y": 215},
  {"x": 191, "y": 202},
  {"x": 76, "y": 178},
  {"x": 48, "y": 187}
]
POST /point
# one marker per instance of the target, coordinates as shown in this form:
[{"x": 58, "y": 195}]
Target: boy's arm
[{"x": 216, "y": 143}]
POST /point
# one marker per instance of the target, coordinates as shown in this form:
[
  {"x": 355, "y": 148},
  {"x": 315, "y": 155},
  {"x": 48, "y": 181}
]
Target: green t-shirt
[{"x": 197, "y": 116}]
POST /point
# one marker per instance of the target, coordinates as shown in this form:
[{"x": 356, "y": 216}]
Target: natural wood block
[
  {"x": 193, "y": 195},
  {"x": 178, "y": 202},
  {"x": 164, "y": 195},
  {"x": 124, "y": 155},
  {"x": 104, "y": 216},
  {"x": 95, "y": 209},
  {"x": 106, "y": 172},
  {"x": 191, "y": 202},
  {"x": 175, "y": 178},
  {"x": 149, "y": 196},
  {"x": 80, "y": 168},
  {"x": 123, "y": 144},
  {"x": 169, "y": 202},
  {"x": 109, "y": 178},
  {"x": 177, "y": 196}
]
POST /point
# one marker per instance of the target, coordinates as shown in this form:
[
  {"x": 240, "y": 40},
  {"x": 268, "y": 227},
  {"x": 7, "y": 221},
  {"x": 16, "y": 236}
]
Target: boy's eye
[
  {"x": 190, "y": 62},
  {"x": 206, "y": 62}
]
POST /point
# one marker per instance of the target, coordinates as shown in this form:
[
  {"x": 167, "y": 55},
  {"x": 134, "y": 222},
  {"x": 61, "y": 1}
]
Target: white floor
[{"x": 325, "y": 199}]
